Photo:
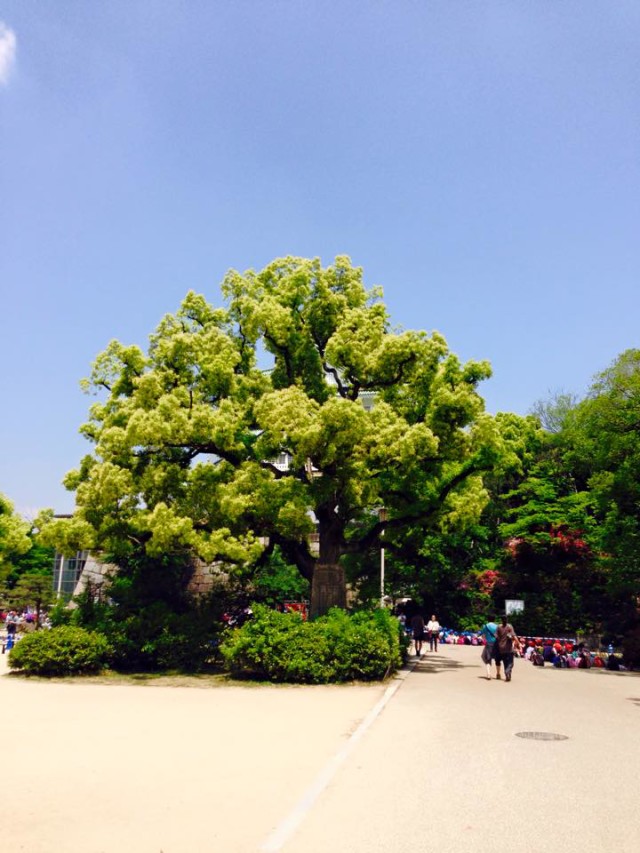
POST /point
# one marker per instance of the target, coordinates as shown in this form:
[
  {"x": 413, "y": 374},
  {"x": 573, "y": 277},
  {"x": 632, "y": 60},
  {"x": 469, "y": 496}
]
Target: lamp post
[{"x": 382, "y": 515}]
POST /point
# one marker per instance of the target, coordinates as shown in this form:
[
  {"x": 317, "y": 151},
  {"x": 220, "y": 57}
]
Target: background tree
[
  {"x": 603, "y": 445},
  {"x": 25, "y": 564},
  {"x": 14, "y": 538},
  {"x": 32, "y": 590},
  {"x": 552, "y": 413},
  {"x": 545, "y": 534},
  {"x": 188, "y": 435},
  {"x": 550, "y": 558},
  {"x": 572, "y": 522}
]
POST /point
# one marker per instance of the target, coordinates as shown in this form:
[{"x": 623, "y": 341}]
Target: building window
[{"x": 66, "y": 573}]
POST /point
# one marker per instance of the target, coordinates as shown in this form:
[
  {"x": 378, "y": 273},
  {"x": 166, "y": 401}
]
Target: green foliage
[
  {"x": 26, "y": 566},
  {"x": 337, "y": 647},
  {"x": 553, "y": 413},
  {"x": 185, "y": 433},
  {"x": 38, "y": 560},
  {"x": 31, "y": 590},
  {"x": 66, "y": 650},
  {"x": 277, "y": 581},
  {"x": 603, "y": 437},
  {"x": 14, "y": 537},
  {"x": 157, "y": 640},
  {"x": 149, "y": 618},
  {"x": 60, "y": 614}
]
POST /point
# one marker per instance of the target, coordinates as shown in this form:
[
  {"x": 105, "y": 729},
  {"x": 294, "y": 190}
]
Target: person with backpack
[
  {"x": 505, "y": 646},
  {"x": 489, "y": 632}
]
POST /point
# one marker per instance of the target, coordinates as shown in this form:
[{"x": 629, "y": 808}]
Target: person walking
[
  {"x": 506, "y": 642},
  {"x": 417, "y": 631},
  {"x": 11, "y": 623},
  {"x": 489, "y": 632},
  {"x": 433, "y": 632}
]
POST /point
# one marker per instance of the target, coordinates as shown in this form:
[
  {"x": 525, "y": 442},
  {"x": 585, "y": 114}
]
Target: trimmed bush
[
  {"x": 61, "y": 651},
  {"x": 338, "y": 647}
]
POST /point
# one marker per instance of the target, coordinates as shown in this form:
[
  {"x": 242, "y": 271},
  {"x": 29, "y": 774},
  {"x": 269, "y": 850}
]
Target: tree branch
[
  {"x": 373, "y": 535},
  {"x": 211, "y": 449},
  {"x": 269, "y": 466},
  {"x": 298, "y": 553},
  {"x": 286, "y": 355},
  {"x": 387, "y": 383},
  {"x": 342, "y": 389}
]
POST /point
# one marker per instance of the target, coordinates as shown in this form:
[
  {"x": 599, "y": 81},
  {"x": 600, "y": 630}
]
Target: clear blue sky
[{"x": 480, "y": 160}]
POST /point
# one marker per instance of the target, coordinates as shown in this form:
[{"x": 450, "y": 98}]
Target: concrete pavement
[{"x": 443, "y": 769}]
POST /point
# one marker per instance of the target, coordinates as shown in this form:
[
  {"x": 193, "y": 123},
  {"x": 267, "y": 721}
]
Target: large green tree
[
  {"x": 247, "y": 426},
  {"x": 603, "y": 444}
]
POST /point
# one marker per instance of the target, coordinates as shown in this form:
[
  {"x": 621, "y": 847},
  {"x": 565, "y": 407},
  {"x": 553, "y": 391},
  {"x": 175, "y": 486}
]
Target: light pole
[{"x": 382, "y": 515}]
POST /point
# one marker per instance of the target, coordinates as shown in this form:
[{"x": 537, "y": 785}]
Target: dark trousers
[
  {"x": 433, "y": 642},
  {"x": 507, "y": 660}
]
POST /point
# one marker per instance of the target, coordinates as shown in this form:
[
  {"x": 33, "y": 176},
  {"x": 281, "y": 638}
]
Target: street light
[{"x": 382, "y": 515}]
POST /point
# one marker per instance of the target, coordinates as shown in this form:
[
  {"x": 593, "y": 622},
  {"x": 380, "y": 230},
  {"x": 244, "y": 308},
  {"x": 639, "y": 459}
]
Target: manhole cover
[{"x": 541, "y": 736}]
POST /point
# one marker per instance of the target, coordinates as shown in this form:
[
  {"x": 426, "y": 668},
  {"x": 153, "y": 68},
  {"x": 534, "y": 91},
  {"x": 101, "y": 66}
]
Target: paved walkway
[
  {"x": 443, "y": 769},
  {"x": 100, "y": 769}
]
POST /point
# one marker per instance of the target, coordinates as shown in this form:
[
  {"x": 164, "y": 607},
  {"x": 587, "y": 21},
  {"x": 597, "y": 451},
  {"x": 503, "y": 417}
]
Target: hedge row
[
  {"x": 272, "y": 646},
  {"x": 338, "y": 647}
]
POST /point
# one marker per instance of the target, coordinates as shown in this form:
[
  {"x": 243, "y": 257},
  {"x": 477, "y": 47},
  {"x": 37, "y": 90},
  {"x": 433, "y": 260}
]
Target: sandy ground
[
  {"x": 148, "y": 769},
  {"x": 144, "y": 769}
]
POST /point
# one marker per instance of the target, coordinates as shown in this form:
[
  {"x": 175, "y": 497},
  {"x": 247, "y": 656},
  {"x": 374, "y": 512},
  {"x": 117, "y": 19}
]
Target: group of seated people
[
  {"x": 566, "y": 654},
  {"x": 560, "y": 653}
]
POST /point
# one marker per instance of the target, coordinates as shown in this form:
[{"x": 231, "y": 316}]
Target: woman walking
[{"x": 433, "y": 632}]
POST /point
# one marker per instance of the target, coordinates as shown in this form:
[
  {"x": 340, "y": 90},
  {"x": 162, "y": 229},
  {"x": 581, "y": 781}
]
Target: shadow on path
[{"x": 433, "y": 664}]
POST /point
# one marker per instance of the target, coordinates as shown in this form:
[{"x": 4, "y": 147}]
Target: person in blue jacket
[{"x": 489, "y": 632}]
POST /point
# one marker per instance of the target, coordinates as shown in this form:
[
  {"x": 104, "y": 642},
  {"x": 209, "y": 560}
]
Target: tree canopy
[
  {"x": 14, "y": 537},
  {"x": 603, "y": 444},
  {"x": 249, "y": 426}
]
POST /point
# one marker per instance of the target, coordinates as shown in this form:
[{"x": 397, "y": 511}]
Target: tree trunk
[
  {"x": 328, "y": 585},
  {"x": 328, "y": 588}
]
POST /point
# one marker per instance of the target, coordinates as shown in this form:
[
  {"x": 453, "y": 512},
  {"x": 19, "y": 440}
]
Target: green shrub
[
  {"x": 157, "y": 639},
  {"x": 337, "y": 647},
  {"x": 66, "y": 650},
  {"x": 60, "y": 614},
  {"x": 149, "y": 618}
]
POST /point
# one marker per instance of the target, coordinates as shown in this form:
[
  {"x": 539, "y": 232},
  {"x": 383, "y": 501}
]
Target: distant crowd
[
  {"x": 559, "y": 652},
  {"x": 17, "y": 622},
  {"x": 566, "y": 654},
  {"x": 20, "y": 617}
]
